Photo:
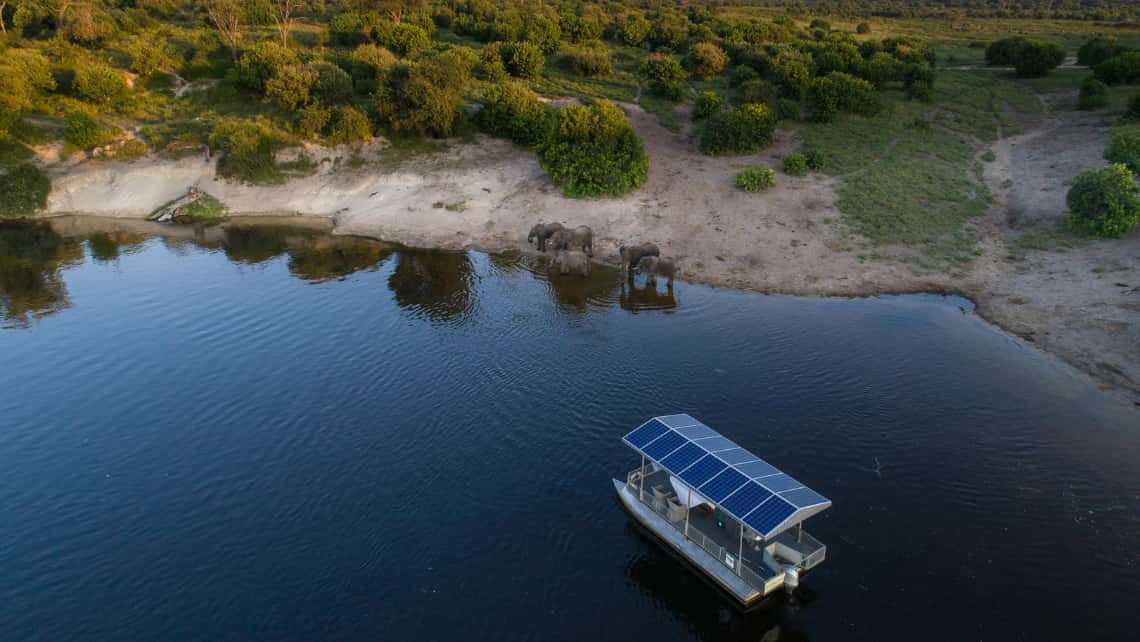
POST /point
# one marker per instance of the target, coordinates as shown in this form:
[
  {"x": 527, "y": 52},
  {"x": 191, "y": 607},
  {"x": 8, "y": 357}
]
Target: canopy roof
[{"x": 743, "y": 485}]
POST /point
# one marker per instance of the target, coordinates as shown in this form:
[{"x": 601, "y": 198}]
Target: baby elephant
[
  {"x": 541, "y": 232},
  {"x": 579, "y": 238},
  {"x": 573, "y": 262},
  {"x": 631, "y": 255},
  {"x": 654, "y": 267}
]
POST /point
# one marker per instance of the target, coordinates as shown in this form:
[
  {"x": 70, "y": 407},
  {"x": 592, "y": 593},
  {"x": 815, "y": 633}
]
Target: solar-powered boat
[{"x": 734, "y": 516}]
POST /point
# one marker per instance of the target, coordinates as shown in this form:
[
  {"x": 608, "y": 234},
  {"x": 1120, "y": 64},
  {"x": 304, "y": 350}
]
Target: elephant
[
  {"x": 541, "y": 232},
  {"x": 654, "y": 267},
  {"x": 573, "y": 262},
  {"x": 631, "y": 255},
  {"x": 579, "y": 238}
]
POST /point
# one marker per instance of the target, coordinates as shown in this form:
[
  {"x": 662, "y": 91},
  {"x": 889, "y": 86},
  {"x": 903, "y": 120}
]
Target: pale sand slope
[{"x": 784, "y": 240}]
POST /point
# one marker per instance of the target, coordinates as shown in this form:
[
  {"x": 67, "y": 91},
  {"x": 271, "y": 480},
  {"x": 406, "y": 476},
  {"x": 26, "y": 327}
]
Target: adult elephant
[
  {"x": 631, "y": 255},
  {"x": 541, "y": 232},
  {"x": 653, "y": 267},
  {"x": 573, "y": 262},
  {"x": 579, "y": 238}
]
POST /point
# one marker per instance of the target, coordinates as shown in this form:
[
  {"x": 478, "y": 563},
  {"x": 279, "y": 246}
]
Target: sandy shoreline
[{"x": 788, "y": 240}]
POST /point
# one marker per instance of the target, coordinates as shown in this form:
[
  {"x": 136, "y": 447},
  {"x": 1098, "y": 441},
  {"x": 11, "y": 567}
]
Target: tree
[
  {"x": 1003, "y": 52},
  {"x": 406, "y": 39},
  {"x": 544, "y": 33},
  {"x": 634, "y": 30},
  {"x": 1104, "y": 202},
  {"x": 707, "y": 104},
  {"x": 705, "y": 60},
  {"x": 283, "y": 13},
  {"x": 1037, "y": 58},
  {"x": 291, "y": 86},
  {"x": 738, "y": 131},
  {"x": 425, "y": 96},
  {"x": 259, "y": 64},
  {"x": 1121, "y": 68},
  {"x": 664, "y": 75},
  {"x": 1097, "y": 49},
  {"x": 510, "y": 110},
  {"x": 595, "y": 152},
  {"x": 226, "y": 16},
  {"x": 523, "y": 59}
]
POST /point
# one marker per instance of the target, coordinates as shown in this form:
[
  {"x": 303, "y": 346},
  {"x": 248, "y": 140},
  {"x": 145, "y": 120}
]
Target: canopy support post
[
  {"x": 740, "y": 554},
  {"x": 688, "y": 501},
  {"x": 641, "y": 480}
]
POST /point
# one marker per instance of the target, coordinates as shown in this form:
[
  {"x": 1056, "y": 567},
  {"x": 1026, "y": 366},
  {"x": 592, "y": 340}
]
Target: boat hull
[{"x": 712, "y": 569}]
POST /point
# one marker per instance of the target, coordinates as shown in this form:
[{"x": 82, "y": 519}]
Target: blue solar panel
[
  {"x": 769, "y": 515},
  {"x": 804, "y": 497},
  {"x": 736, "y": 456},
  {"x": 677, "y": 421},
  {"x": 697, "y": 431},
  {"x": 713, "y": 444},
  {"x": 664, "y": 445},
  {"x": 747, "y": 498},
  {"x": 779, "y": 483},
  {"x": 758, "y": 468},
  {"x": 702, "y": 471},
  {"x": 645, "y": 434},
  {"x": 722, "y": 485},
  {"x": 683, "y": 457}
]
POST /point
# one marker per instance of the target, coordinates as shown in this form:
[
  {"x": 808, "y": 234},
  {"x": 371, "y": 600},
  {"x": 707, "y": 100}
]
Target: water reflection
[
  {"x": 109, "y": 246},
  {"x": 437, "y": 284},
  {"x": 31, "y": 257},
  {"x": 326, "y": 258},
  {"x": 647, "y": 297}
]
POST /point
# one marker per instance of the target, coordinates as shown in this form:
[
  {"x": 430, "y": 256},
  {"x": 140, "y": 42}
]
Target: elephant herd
[{"x": 574, "y": 247}]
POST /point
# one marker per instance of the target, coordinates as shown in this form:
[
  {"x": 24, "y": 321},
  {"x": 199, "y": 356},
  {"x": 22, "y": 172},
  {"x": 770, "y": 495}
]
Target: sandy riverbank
[{"x": 787, "y": 240}]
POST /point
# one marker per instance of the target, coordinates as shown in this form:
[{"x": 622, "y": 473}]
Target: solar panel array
[{"x": 745, "y": 486}]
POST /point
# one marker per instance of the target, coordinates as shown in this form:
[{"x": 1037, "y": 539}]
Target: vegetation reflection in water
[{"x": 436, "y": 284}]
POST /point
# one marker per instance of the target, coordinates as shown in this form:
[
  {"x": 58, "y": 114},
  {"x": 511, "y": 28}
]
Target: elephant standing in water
[
  {"x": 631, "y": 256},
  {"x": 541, "y": 232},
  {"x": 654, "y": 267},
  {"x": 579, "y": 238},
  {"x": 573, "y": 262}
]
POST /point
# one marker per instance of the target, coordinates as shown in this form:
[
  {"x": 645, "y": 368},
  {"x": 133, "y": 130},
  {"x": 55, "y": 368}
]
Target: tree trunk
[{"x": 3, "y": 29}]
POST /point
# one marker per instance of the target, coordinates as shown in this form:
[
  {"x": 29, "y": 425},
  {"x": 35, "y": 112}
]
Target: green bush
[
  {"x": 425, "y": 97},
  {"x": 634, "y": 30},
  {"x": 1097, "y": 49},
  {"x": 705, "y": 60},
  {"x": 100, "y": 85},
  {"x": 1004, "y": 52},
  {"x": 738, "y": 131},
  {"x": 756, "y": 178},
  {"x": 523, "y": 60},
  {"x": 918, "y": 80},
  {"x": 81, "y": 130},
  {"x": 595, "y": 152},
  {"x": 291, "y": 86},
  {"x": 590, "y": 61},
  {"x": 787, "y": 109},
  {"x": 313, "y": 120},
  {"x": 406, "y": 38},
  {"x": 756, "y": 91},
  {"x": 742, "y": 74},
  {"x": 1123, "y": 68},
  {"x": 880, "y": 69},
  {"x": 794, "y": 76},
  {"x": 247, "y": 151},
  {"x": 1094, "y": 94},
  {"x": 836, "y": 92},
  {"x": 816, "y": 160},
  {"x": 349, "y": 125},
  {"x": 663, "y": 74},
  {"x": 795, "y": 164},
  {"x": 1103, "y": 202},
  {"x": 707, "y": 104},
  {"x": 512, "y": 111},
  {"x": 333, "y": 84},
  {"x": 1038, "y": 58},
  {"x": 1132, "y": 111},
  {"x": 151, "y": 52},
  {"x": 23, "y": 190},
  {"x": 863, "y": 28},
  {"x": 543, "y": 32},
  {"x": 261, "y": 63},
  {"x": 1124, "y": 147}
]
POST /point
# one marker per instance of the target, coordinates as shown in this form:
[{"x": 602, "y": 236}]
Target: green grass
[
  {"x": 851, "y": 142},
  {"x": 206, "y": 209},
  {"x": 664, "y": 110},
  {"x": 13, "y": 153}
]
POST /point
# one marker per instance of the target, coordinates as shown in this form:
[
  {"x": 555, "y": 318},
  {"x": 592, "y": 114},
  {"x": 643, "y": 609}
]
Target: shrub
[
  {"x": 819, "y": 23},
  {"x": 795, "y": 164},
  {"x": 742, "y": 74},
  {"x": 756, "y": 178},
  {"x": 247, "y": 151},
  {"x": 333, "y": 85},
  {"x": 1038, "y": 58},
  {"x": 150, "y": 53},
  {"x": 371, "y": 59},
  {"x": 738, "y": 131},
  {"x": 523, "y": 60},
  {"x": 512, "y": 111},
  {"x": 291, "y": 86},
  {"x": 880, "y": 69},
  {"x": 405, "y": 38},
  {"x": 1094, "y": 94},
  {"x": 756, "y": 91},
  {"x": 816, "y": 160},
  {"x": 1103, "y": 202},
  {"x": 837, "y": 92},
  {"x": 349, "y": 125},
  {"x": 663, "y": 74},
  {"x": 544, "y": 33},
  {"x": 595, "y": 152},
  {"x": 81, "y": 130},
  {"x": 1097, "y": 49},
  {"x": 23, "y": 190},
  {"x": 918, "y": 80},
  {"x": 794, "y": 75},
  {"x": 313, "y": 120},
  {"x": 15, "y": 97},
  {"x": 1004, "y": 52},
  {"x": 787, "y": 109},
  {"x": 492, "y": 71},
  {"x": 707, "y": 104},
  {"x": 425, "y": 97},
  {"x": 1124, "y": 147},
  {"x": 863, "y": 28},
  {"x": 705, "y": 60},
  {"x": 1123, "y": 68},
  {"x": 635, "y": 30},
  {"x": 261, "y": 63},
  {"x": 100, "y": 85},
  {"x": 590, "y": 61}
]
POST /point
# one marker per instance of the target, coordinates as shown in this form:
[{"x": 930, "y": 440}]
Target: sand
[{"x": 487, "y": 195}]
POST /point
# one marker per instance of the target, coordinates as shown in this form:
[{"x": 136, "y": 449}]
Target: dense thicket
[{"x": 1028, "y": 57}]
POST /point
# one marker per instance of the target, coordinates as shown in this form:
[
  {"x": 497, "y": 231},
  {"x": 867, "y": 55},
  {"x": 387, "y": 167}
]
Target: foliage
[
  {"x": 634, "y": 30},
  {"x": 23, "y": 190},
  {"x": 100, "y": 85},
  {"x": 544, "y": 33},
  {"x": 756, "y": 178},
  {"x": 313, "y": 120},
  {"x": 333, "y": 85},
  {"x": 512, "y": 111},
  {"x": 863, "y": 28},
  {"x": 82, "y": 130},
  {"x": 1004, "y": 52},
  {"x": 1104, "y": 202},
  {"x": 1132, "y": 112},
  {"x": 405, "y": 39},
  {"x": 795, "y": 164},
  {"x": 1097, "y": 49},
  {"x": 787, "y": 109},
  {"x": 1124, "y": 147},
  {"x": 291, "y": 86},
  {"x": 523, "y": 59},
  {"x": 742, "y": 74},
  {"x": 707, "y": 104},
  {"x": 836, "y": 92},
  {"x": 756, "y": 91},
  {"x": 204, "y": 209},
  {"x": 261, "y": 63},
  {"x": 1123, "y": 68},
  {"x": 705, "y": 60},
  {"x": 595, "y": 152},
  {"x": 150, "y": 53},
  {"x": 738, "y": 131},
  {"x": 664, "y": 74},
  {"x": 349, "y": 125},
  {"x": 815, "y": 159},
  {"x": 247, "y": 151},
  {"x": 425, "y": 96},
  {"x": 1093, "y": 95},
  {"x": 590, "y": 61},
  {"x": 1038, "y": 58}
]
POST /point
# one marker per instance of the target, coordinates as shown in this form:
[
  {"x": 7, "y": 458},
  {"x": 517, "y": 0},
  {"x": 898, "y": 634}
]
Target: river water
[{"x": 266, "y": 433}]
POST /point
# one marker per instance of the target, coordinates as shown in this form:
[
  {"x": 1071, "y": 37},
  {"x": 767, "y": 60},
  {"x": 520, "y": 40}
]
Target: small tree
[
  {"x": 705, "y": 60},
  {"x": 349, "y": 125},
  {"x": 663, "y": 74},
  {"x": 406, "y": 39},
  {"x": 738, "y": 131},
  {"x": 590, "y": 61},
  {"x": 1122, "y": 68},
  {"x": 1124, "y": 147},
  {"x": 226, "y": 16},
  {"x": 261, "y": 63},
  {"x": 1094, "y": 94},
  {"x": 1036, "y": 58},
  {"x": 425, "y": 96},
  {"x": 1097, "y": 49},
  {"x": 100, "y": 85},
  {"x": 707, "y": 104},
  {"x": 291, "y": 86},
  {"x": 284, "y": 13},
  {"x": 510, "y": 110},
  {"x": 595, "y": 152},
  {"x": 1103, "y": 202},
  {"x": 523, "y": 60},
  {"x": 82, "y": 130}
]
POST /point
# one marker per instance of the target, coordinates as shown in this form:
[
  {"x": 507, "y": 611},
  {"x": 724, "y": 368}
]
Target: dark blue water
[{"x": 266, "y": 434}]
